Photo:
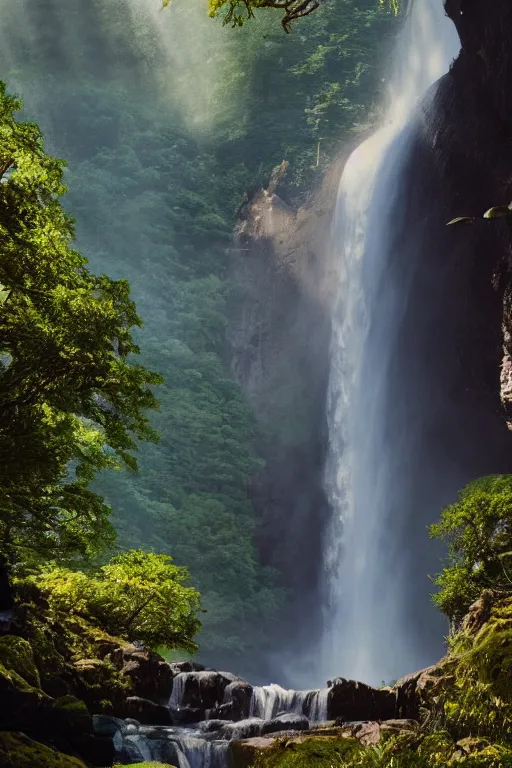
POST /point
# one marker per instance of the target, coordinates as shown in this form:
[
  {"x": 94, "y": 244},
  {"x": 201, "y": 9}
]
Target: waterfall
[
  {"x": 268, "y": 701},
  {"x": 365, "y": 634},
  {"x": 178, "y": 689},
  {"x": 195, "y": 752}
]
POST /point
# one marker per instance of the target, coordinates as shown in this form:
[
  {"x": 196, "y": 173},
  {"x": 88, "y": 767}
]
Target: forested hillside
[{"x": 163, "y": 139}]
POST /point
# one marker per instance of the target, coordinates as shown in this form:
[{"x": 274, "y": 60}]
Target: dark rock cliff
[{"x": 458, "y": 282}]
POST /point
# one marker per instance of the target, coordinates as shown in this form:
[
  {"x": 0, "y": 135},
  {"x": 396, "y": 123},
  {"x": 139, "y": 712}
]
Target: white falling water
[
  {"x": 365, "y": 636},
  {"x": 178, "y": 690},
  {"x": 268, "y": 701},
  {"x": 194, "y": 752}
]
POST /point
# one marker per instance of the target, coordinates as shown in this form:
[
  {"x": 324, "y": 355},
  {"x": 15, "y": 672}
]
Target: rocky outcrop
[
  {"x": 150, "y": 675},
  {"x": 326, "y": 742},
  {"x": 285, "y": 722},
  {"x": 204, "y": 690},
  {"x": 349, "y": 700},
  {"x": 145, "y": 711},
  {"x": 237, "y": 698},
  {"x": 18, "y": 751},
  {"x": 279, "y": 334}
]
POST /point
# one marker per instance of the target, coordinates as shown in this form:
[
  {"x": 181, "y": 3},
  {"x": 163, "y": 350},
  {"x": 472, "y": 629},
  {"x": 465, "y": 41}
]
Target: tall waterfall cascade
[{"x": 365, "y": 635}]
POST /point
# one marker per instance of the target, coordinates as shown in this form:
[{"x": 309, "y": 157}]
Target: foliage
[
  {"x": 436, "y": 750},
  {"x": 236, "y": 11},
  {"x": 478, "y": 529},
  {"x": 496, "y": 212},
  {"x": 138, "y": 596},
  {"x": 480, "y": 701},
  {"x": 18, "y": 751},
  {"x": 69, "y": 393},
  {"x": 148, "y": 765},
  {"x": 308, "y": 752}
]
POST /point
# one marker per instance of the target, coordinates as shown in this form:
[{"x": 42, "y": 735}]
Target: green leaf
[
  {"x": 498, "y": 211},
  {"x": 462, "y": 220}
]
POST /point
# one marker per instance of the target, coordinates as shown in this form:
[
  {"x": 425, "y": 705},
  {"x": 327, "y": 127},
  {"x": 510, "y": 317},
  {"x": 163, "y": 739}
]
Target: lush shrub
[
  {"x": 138, "y": 596},
  {"x": 478, "y": 529}
]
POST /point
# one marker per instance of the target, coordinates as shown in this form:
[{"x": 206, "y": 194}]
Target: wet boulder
[
  {"x": 285, "y": 722},
  {"x": 177, "y": 667},
  {"x": 237, "y": 702},
  {"x": 187, "y": 715},
  {"x": 131, "y": 748},
  {"x": 240, "y": 695},
  {"x": 200, "y": 689},
  {"x": 349, "y": 701},
  {"x": 151, "y": 677},
  {"x": 104, "y": 725},
  {"x": 211, "y": 726},
  {"x": 146, "y": 712},
  {"x": 244, "y": 729}
]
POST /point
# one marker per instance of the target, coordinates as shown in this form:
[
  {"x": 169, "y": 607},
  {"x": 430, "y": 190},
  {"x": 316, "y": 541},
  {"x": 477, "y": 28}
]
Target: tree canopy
[
  {"x": 478, "y": 529},
  {"x": 137, "y": 596},
  {"x": 72, "y": 401}
]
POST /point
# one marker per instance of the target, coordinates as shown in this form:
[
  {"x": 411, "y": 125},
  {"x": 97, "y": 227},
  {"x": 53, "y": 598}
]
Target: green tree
[
  {"x": 137, "y": 596},
  {"x": 478, "y": 529},
  {"x": 236, "y": 12},
  {"x": 72, "y": 402}
]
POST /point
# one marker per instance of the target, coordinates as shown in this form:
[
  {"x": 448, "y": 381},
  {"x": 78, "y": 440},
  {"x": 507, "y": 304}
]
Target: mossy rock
[
  {"x": 479, "y": 702},
  {"x": 16, "y": 654},
  {"x": 20, "y": 703},
  {"x": 18, "y": 751},
  {"x": 321, "y": 752},
  {"x": 147, "y": 765},
  {"x": 73, "y": 713},
  {"x": 48, "y": 660}
]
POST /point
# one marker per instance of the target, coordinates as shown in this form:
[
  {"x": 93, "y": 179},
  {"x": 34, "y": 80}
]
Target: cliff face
[{"x": 279, "y": 336}]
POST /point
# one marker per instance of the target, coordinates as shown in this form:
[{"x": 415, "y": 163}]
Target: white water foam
[
  {"x": 268, "y": 701},
  {"x": 365, "y": 636}
]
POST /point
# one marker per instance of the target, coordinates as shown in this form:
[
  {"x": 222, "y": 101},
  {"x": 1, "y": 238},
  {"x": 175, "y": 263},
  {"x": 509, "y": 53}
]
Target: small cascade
[
  {"x": 318, "y": 706},
  {"x": 268, "y": 701},
  {"x": 195, "y": 752},
  {"x": 228, "y": 692},
  {"x": 209, "y": 710},
  {"x": 178, "y": 690}
]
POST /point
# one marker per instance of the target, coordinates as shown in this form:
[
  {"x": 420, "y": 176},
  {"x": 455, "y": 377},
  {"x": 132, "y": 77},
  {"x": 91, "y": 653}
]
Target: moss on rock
[
  {"x": 479, "y": 702},
  {"x": 72, "y": 714},
  {"x": 19, "y": 701},
  {"x": 148, "y": 765},
  {"x": 16, "y": 654},
  {"x": 321, "y": 752},
  {"x": 18, "y": 751}
]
